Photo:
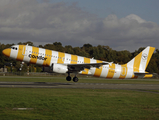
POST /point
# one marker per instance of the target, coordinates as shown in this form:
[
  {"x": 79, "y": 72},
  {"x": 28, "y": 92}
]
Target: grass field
[
  {"x": 81, "y": 80},
  {"x": 77, "y": 104}
]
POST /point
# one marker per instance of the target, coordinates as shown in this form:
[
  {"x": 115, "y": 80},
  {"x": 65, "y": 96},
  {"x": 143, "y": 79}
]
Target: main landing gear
[
  {"x": 68, "y": 78},
  {"x": 75, "y": 79}
]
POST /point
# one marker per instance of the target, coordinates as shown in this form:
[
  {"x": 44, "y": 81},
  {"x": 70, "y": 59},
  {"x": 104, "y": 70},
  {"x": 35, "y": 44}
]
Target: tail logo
[{"x": 144, "y": 56}]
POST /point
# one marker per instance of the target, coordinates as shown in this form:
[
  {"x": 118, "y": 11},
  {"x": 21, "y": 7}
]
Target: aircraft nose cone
[{"x": 6, "y": 52}]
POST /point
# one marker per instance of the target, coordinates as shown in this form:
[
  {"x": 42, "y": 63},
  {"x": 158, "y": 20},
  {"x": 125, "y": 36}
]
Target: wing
[{"x": 81, "y": 67}]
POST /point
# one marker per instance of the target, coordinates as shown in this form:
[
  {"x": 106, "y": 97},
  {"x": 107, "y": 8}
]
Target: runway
[{"x": 80, "y": 85}]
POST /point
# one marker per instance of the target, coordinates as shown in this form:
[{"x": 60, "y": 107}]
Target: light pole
[{"x": 11, "y": 67}]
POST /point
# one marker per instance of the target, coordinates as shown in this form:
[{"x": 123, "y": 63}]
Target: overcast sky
[{"x": 119, "y": 24}]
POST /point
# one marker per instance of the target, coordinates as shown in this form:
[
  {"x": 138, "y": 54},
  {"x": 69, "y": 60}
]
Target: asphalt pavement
[{"x": 80, "y": 85}]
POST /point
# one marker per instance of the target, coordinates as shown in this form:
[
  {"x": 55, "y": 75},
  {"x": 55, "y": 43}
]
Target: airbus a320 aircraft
[{"x": 67, "y": 63}]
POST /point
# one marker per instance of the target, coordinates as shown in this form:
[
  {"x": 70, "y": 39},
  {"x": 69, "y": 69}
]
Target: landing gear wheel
[
  {"x": 68, "y": 78},
  {"x": 75, "y": 79}
]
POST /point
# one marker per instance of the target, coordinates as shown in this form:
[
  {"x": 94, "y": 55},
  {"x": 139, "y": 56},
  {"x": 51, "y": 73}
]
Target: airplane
[{"x": 60, "y": 62}]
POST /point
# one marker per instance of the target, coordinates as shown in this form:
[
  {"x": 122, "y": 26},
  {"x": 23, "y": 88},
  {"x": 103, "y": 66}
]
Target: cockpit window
[{"x": 14, "y": 48}]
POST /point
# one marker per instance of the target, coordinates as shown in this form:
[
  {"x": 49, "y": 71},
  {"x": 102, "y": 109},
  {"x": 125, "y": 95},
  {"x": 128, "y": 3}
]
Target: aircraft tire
[
  {"x": 68, "y": 78},
  {"x": 75, "y": 79}
]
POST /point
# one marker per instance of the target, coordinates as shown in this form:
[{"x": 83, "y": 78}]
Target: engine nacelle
[{"x": 59, "y": 68}]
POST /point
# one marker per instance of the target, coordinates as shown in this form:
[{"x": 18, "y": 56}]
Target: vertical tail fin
[{"x": 140, "y": 62}]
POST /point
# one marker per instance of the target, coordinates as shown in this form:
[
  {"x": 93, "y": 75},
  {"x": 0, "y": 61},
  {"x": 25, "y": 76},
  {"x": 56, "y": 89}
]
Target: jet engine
[{"x": 59, "y": 68}]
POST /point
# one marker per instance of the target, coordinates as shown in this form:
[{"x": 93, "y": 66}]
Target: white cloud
[
  {"x": 134, "y": 17},
  {"x": 28, "y": 20}
]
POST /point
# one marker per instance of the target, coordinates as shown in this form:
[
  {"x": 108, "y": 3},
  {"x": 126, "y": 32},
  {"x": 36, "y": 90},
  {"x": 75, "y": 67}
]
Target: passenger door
[{"x": 25, "y": 48}]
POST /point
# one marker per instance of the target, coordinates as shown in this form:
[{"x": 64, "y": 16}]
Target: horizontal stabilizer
[
  {"x": 143, "y": 74},
  {"x": 140, "y": 73}
]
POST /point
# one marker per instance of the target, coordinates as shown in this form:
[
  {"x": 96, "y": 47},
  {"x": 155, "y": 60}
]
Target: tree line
[{"x": 99, "y": 52}]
